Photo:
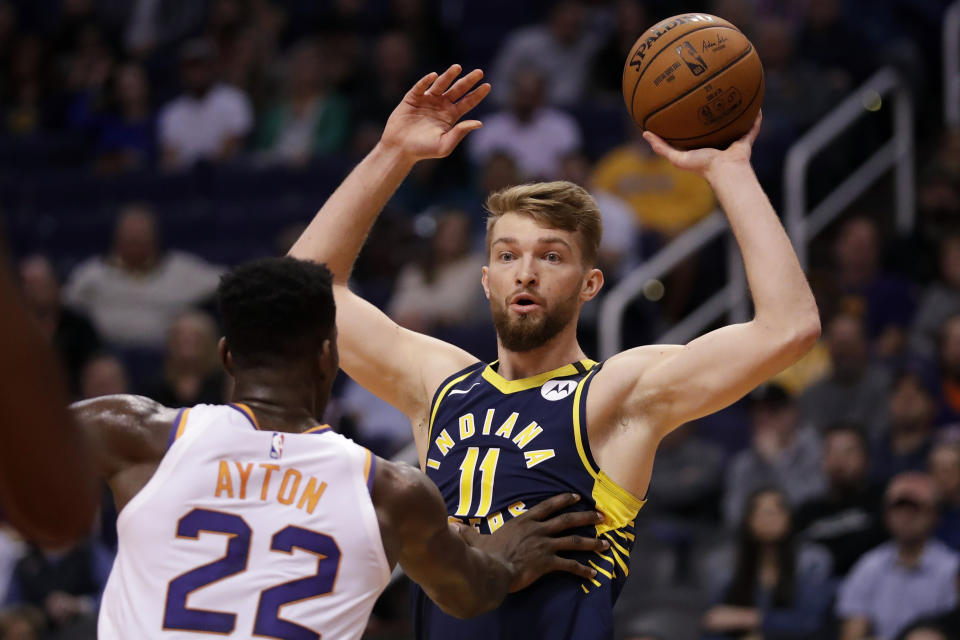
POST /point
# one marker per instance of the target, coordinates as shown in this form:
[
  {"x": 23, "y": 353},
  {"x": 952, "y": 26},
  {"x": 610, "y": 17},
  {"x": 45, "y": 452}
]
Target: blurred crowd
[{"x": 148, "y": 145}]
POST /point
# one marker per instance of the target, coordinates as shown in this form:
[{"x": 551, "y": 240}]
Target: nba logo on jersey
[
  {"x": 276, "y": 445},
  {"x": 558, "y": 389}
]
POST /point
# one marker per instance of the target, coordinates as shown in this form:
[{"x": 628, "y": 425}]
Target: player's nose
[{"x": 526, "y": 274}]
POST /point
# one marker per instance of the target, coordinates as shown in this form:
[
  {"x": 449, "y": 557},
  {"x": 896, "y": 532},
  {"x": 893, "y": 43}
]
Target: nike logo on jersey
[
  {"x": 558, "y": 389},
  {"x": 454, "y": 392}
]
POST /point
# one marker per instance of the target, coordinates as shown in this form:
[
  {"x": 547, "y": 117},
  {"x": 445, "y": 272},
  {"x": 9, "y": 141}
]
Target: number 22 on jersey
[{"x": 267, "y": 622}]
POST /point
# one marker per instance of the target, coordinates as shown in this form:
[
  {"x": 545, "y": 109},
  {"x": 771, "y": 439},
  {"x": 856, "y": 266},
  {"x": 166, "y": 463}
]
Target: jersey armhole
[
  {"x": 369, "y": 469},
  {"x": 618, "y": 505},
  {"x": 444, "y": 388},
  {"x": 178, "y": 426}
]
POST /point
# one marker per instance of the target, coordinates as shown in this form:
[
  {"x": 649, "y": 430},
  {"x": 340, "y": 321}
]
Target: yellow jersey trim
[
  {"x": 367, "y": 466},
  {"x": 522, "y": 384},
  {"x": 248, "y": 412},
  {"x": 578, "y": 436},
  {"x": 440, "y": 397},
  {"x": 618, "y": 505},
  {"x": 320, "y": 428},
  {"x": 182, "y": 424}
]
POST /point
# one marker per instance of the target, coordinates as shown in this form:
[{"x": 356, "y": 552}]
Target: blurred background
[{"x": 147, "y": 145}]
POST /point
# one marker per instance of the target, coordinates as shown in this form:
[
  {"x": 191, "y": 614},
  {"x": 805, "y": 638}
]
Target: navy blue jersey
[{"x": 497, "y": 448}]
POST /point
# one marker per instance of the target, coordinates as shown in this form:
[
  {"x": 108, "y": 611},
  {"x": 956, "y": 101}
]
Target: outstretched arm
[
  {"x": 669, "y": 385},
  {"x": 465, "y": 573},
  {"x": 48, "y": 484},
  {"x": 402, "y": 367}
]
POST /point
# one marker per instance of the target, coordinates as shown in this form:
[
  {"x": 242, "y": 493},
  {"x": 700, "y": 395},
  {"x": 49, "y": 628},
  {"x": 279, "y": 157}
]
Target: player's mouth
[{"x": 524, "y": 303}]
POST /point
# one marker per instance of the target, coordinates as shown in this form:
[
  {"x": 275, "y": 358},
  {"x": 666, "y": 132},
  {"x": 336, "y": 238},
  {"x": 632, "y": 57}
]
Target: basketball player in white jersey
[{"x": 252, "y": 519}]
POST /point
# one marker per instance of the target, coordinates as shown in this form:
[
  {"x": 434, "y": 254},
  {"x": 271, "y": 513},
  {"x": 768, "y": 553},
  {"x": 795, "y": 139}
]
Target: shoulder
[
  {"x": 173, "y": 109},
  {"x": 405, "y": 493},
  {"x": 625, "y": 370},
  {"x": 126, "y": 427},
  {"x": 92, "y": 267},
  {"x": 225, "y": 94},
  {"x": 873, "y": 562}
]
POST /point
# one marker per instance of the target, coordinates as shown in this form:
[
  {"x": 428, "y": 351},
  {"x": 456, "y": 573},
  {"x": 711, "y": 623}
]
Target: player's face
[{"x": 535, "y": 281}]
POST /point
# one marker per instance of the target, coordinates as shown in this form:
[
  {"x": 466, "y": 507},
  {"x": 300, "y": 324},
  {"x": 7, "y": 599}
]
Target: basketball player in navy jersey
[{"x": 498, "y": 438}]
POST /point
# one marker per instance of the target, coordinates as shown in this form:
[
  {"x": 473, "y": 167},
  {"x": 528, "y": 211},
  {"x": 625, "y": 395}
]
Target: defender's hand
[
  {"x": 426, "y": 122},
  {"x": 701, "y": 161},
  {"x": 530, "y": 545}
]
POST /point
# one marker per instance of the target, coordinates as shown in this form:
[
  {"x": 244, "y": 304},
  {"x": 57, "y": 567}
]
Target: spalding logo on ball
[{"x": 694, "y": 80}]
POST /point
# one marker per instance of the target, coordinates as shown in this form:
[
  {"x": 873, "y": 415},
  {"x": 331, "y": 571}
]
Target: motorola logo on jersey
[{"x": 558, "y": 389}]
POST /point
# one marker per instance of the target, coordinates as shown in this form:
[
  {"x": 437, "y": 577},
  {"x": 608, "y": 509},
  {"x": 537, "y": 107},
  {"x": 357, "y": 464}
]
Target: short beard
[{"x": 526, "y": 333}]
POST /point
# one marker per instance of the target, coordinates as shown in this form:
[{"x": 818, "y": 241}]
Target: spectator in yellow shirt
[{"x": 665, "y": 199}]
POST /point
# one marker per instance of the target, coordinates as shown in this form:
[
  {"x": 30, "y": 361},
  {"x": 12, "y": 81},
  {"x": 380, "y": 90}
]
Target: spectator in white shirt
[
  {"x": 210, "y": 120},
  {"x": 537, "y": 137},
  {"x": 562, "y": 48},
  {"x": 134, "y": 293}
]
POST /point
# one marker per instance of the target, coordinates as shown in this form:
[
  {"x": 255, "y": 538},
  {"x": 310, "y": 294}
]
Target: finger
[
  {"x": 423, "y": 83},
  {"x": 442, "y": 83},
  {"x": 660, "y": 147},
  {"x": 754, "y": 130},
  {"x": 571, "y": 520},
  {"x": 453, "y": 137},
  {"x": 551, "y": 505},
  {"x": 467, "y": 533},
  {"x": 580, "y": 543},
  {"x": 572, "y": 566},
  {"x": 464, "y": 84},
  {"x": 472, "y": 99}
]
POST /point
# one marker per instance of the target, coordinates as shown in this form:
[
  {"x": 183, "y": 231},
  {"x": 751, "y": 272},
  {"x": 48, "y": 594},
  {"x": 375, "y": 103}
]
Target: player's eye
[
  {"x": 553, "y": 256},
  {"x": 506, "y": 256}
]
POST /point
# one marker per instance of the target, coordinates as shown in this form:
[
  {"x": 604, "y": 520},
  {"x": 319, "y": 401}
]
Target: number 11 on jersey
[{"x": 488, "y": 469}]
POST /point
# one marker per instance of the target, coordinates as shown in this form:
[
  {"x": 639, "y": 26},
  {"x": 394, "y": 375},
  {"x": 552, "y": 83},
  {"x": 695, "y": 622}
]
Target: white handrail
[
  {"x": 951, "y": 65},
  {"x": 897, "y": 154},
  {"x": 615, "y": 303}
]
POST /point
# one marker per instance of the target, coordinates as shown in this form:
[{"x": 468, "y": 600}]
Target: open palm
[{"x": 426, "y": 123}]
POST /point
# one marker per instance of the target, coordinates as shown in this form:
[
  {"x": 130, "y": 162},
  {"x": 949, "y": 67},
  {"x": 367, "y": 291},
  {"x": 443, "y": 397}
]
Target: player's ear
[
  {"x": 226, "y": 358},
  {"x": 592, "y": 283},
  {"x": 484, "y": 281}
]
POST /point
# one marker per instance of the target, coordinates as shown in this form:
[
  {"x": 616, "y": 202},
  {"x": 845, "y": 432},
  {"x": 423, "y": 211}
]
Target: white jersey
[{"x": 243, "y": 533}]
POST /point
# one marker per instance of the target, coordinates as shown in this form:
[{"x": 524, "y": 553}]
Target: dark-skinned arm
[
  {"x": 128, "y": 435},
  {"x": 464, "y": 573},
  {"x": 48, "y": 487}
]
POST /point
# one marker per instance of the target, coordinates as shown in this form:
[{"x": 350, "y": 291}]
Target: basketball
[{"x": 695, "y": 80}]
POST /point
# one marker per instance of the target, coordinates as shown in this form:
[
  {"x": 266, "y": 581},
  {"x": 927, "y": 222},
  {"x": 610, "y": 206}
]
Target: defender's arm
[
  {"x": 402, "y": 367},
  {"x": 465, "y": 573},
  {"x": 670, "y": 385},
  {"x": 47, "y": 479},
  {"x": 128, "y": 436}
]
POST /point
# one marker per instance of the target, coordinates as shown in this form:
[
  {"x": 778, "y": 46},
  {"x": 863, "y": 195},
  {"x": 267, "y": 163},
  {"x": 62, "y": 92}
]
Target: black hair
[
  {"x": 276, "y": 310},
  {"x": 746, "y": 576}
]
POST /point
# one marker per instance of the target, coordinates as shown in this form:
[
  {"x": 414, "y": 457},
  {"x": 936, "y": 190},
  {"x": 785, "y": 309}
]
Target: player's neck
[
  {"x": 280, "y": 402},
  {"x": 562, "y": 350}
]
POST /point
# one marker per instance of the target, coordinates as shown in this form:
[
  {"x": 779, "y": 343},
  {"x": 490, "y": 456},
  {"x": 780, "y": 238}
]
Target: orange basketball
[{"x": 694, "y": 80}]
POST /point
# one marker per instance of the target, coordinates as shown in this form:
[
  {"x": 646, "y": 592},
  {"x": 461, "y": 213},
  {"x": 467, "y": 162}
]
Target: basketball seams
[
  {"x": 745, "y": 110},
  {"x": 633, "y": 96},
  {"x": 706, "y": 80}
]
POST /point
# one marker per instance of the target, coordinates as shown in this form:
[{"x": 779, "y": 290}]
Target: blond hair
[{"x": 559, "y": 205}]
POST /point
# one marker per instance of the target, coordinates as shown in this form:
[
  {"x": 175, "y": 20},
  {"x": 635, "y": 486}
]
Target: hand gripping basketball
[{"x": 700, "y": 161}]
